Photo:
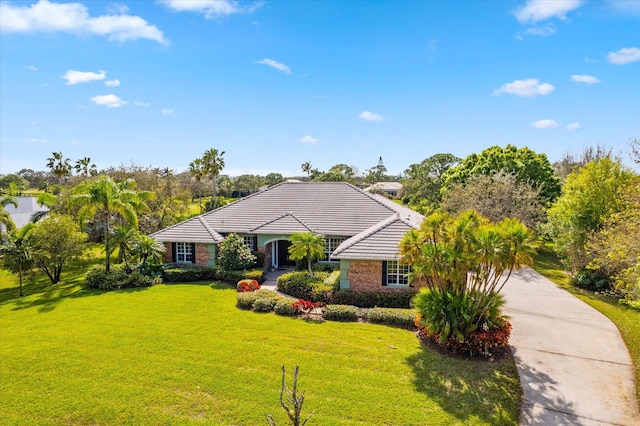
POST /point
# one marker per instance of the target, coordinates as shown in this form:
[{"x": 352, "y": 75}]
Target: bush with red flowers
[{"x": 248, "y": 285}]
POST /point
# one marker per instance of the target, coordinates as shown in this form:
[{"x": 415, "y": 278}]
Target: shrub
[
  {"x": 321, "y": 293},
  {"x": 189, "y": 274},
  {"x": 333, "y": 280},
  {"x": 372, "y": 299},
  {"x": 285, "y": 307},
  {"x": 234, "y": 254},
  {"x": 299, "y": 284},
  {"x": 328, "y": 267},
  {"x": 235, "y": 276},
  {"x": 260, "y": 255},
  {"x": 397, "y": 317},
  {"x": 117, "y": 278},
  {"x": 340, "y": 313},
  {"x": 247, "y": 285},
  {"x": 245, "y": 300},
  {"x": 264, "y": 304},
  {"x": 591, "y": 280}
]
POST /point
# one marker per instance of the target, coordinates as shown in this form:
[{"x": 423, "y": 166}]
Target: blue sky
[{"x": 278, "y": 83}]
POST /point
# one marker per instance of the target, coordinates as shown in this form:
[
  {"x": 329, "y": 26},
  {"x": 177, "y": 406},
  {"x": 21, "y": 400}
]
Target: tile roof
[
  {"x": 380, "y": 242},
  {"x": 27, "y": 206},
  {"x": 327, "y": 208}
]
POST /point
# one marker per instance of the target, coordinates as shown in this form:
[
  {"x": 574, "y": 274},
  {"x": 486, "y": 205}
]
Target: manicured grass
[
  {"x": 184, "y": 354},
  {"x": 626, "y": 319}
]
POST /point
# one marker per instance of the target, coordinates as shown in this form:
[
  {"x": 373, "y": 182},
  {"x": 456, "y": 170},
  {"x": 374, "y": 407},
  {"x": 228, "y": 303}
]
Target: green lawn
[
  {"x": 626, "y": 319},
  {"x": 183, "y": 354}
]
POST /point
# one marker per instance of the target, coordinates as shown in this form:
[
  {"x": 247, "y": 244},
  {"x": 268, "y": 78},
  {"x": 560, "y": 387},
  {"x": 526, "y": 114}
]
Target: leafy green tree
[
  {"x": 57, "y": 241},
  {"x": 247, "y": 184},
  {"x": 497, "y": 197},
  {"x": 306, "y": 245},
  {"x": 123, "y": 237},
  {"x": 615, "y": 248},
  {"x": 105, "y": 199},
  {"x": 464, "y": 262},
  {"x": 525, "y": 164},
  {"x": 589, "y": 197},
  {"x": 148, "y": 250},
  {"x": 273, "y": 179},
  {"x": 85, "y": 167},
  {"x": 234, "y": 254},
  {"x": 60, "y": 167},
  {"x": 213, "y": 163},
  {"x": 16, "y": 255},
  {"x": 376, "y": 173},
  {"x": 423, "y": 181},
  {"x": 6, "y": 223},
  {"x": 13, "y": 184},
  {"x": 572, "y": 163}
]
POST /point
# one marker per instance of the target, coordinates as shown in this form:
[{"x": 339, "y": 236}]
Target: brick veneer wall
[
  {"x": 202, "y": 254},
  {"x": 168, "y": 254},
  {"x": 366, "y": 275}
]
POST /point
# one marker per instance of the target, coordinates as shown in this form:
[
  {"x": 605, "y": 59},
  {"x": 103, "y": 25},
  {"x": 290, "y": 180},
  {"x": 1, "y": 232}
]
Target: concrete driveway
[{"x": 574, "y": 367}]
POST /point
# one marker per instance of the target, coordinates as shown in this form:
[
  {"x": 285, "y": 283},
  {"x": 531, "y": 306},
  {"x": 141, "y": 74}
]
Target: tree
[
  {"x": 123, "y": 237},
  {"x": 234, "y": 254},
  {"x": 525, "y": 164},
  {"x": 57, "y": 241},
  {"x": 196, "y": 168},
  {"x": 497, "y": 197},
  {"x": 273, "y": 179},
  {"x": 106, "y": 199},
  {"x": 615, "y": 248},
  {"x": 6, "y": 223},
  {"x": 571, "y": 163},
  {"x": 148, "y": 250},
  {"x": 13, "y": 184},
  {"x": 307, "y": 167},
  {"x": 423, "y": 180},
  {"x": 60, "y": 166},
  {"x": 590, "y": 196},
  {"x": 376, "y": 173},
  {"x": 306, "y": 245},
  {"x": 85, "y": 168},
  {"x": 213, "y": 163},
  {"x": 464, "y": 261},
  {"x": 16, "y": 255}
]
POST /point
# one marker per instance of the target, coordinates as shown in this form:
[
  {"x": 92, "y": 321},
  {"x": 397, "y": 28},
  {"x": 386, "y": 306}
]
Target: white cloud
[
  {"x": 545, "y": 124},
  {"x": 370, "y": 116},
  {"x": 624, "y": 56},
  {"x": 525, "y": 88},
  {"x": 74, "y": 18},
  {"x": 573, "y": 126},
  {"x": 544, "y": 31},
  {"x": 75, "y": 77},
  {"x": 31, "y": 68},
  {"x": 583, "y": 78},
  {"x": 111, "y": 101},
  {"x": 112, "y": 83},
  {"x": 210, "y": 8},
  {"x": 625, "y": 6},
  {"x": 273, "y": 64},
  {"x": 309, "y": 139},
  {"x": 118, "y": 8},
  {"x": 166, "y": 111},
  {"x": 141, "y": 104},
  {"x": 541, "y": 10}
]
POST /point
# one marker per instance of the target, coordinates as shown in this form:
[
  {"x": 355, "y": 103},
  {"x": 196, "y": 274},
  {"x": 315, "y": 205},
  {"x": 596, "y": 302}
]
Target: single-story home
[
  {"x": 390, "y": 188},
  {"x": 361, "y": 230}
]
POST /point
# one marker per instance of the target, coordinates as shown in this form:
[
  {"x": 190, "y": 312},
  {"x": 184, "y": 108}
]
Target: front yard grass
[
  {"x": 626, "y": 319},
  {"x": 184, "y": 354}
]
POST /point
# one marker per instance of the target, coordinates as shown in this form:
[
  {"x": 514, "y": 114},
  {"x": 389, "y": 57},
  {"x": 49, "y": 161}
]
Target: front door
[{"x": 283, "y": 254}]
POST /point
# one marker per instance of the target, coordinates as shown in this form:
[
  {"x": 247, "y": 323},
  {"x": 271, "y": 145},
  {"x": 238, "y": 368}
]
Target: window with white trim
[
  {"x": 251, "y": 241},
  {"x": 396, "y": 273},
  {"x": 184, "y": 252},
  {"x": 330, "y": 245}
]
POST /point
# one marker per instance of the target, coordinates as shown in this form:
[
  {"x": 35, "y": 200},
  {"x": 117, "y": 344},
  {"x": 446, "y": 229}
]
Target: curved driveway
[{"x": 574, "y": 367}]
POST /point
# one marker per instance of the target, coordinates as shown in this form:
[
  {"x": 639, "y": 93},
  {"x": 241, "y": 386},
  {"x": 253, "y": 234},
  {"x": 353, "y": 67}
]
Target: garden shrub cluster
[
  {"x": 247, "y": 285},
  {"x": 265, "y": 301},
  {"x": 117, "y": 278},
  {"x": 340, "y": 313},
  {"x": 594, "y": 280},
  {"x": 204, "y": 273},
  {"x": 397, "y": 317},
  {"x": 372, "y": 299},
  {"x": 300, "y": 285}
]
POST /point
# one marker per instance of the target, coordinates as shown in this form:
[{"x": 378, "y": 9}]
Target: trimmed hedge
[
  {"x": 264, "y": 304},
  {"x": 340, "y": 313},
  {"x": 204, "y": 273},
  {"x": 117, "y": 278},
  {"x": 372, "y": 299},
  {"x": 284, "y": 306},
  {"x": 300, "y": 285},
  {"x": 397, "y": 317}
]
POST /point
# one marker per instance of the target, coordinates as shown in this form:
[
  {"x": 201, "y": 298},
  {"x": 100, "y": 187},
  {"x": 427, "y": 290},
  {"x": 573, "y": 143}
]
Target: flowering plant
[{"x": 248, "y": 285}]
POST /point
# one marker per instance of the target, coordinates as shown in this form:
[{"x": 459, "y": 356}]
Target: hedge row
[
  {"x": 373, "y": 299},
  {"x": 203, "y": 273},
  {"x": 389, "y": 316},
  {"x": 266, "y": 301},
  {"x": 117, "y": 278}
]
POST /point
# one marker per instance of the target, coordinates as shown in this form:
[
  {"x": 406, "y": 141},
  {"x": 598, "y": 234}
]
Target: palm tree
[
  {"x": 123, "y": 237},
  {"x": 60, "y": 167},
  {"x": 105, "y": 198},
  {"x": 306, "y": 245},
  {"x": 6, "y": 223},
  {"x": 16, "y": 253},
  {"x": 148, "y": 249},
  {"x": 85, "y": 167},
  {"x": 196, "y": 168},
  {"x": 213, "y": 163},
  {"x": 307, "y": 167},
  {"x": 44, "y": 199}
]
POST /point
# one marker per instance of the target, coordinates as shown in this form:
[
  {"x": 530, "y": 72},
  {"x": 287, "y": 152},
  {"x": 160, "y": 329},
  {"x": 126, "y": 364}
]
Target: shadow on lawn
[{"x": 469, "y": 389}]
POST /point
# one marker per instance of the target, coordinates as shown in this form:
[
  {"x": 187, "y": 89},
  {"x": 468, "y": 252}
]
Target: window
[
  {"x": 251, "y": 241},
  {"x": 395, "y": 273},
  {"x": 184, "y": 252},
  {"x": 330, "y": 245}
]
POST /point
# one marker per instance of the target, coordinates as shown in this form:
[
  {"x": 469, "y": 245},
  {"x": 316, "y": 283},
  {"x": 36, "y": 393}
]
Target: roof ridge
[
  {"x": 372, "y": 230},
  {"x": 242, "y": 199},
  {"x": 280, "y": 217},
  {"x": 211, "y": 232}
]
